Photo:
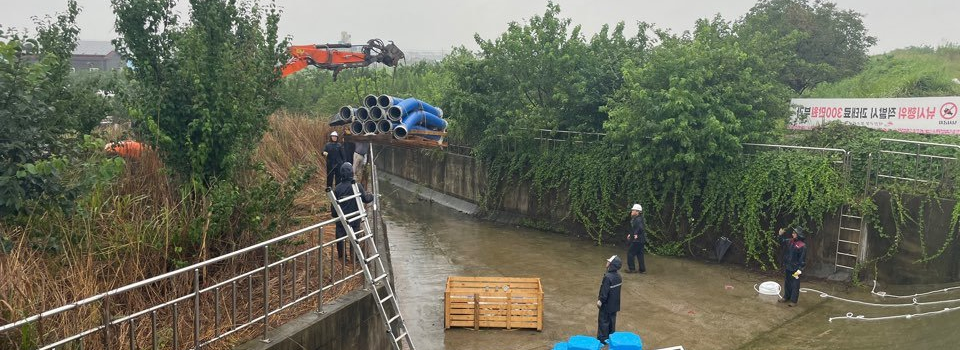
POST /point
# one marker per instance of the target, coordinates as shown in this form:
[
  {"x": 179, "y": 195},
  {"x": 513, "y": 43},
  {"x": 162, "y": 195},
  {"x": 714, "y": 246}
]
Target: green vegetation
[
  {"x": 675, "y": 114},
  {"x": 915, "y": 72},
  {"x": 664, "y": 120},
  {"x": 815, "y": 41},
  {"x": 200, "y": 103},
  {"x": 45, "y": 113},
  {"x": 204, "y": 184}
]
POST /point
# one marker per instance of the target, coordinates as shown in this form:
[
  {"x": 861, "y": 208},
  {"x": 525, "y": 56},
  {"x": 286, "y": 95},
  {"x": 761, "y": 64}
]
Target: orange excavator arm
[{"x": 337, "y": 57}]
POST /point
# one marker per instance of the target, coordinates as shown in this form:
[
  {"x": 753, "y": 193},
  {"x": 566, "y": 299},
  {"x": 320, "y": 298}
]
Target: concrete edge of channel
[
  {"x": 424, "y": 192},
  {"x": 303, "y": 324}
]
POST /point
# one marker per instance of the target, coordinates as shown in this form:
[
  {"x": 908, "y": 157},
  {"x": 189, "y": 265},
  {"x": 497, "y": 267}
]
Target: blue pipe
[
  {"x": 402, "y": 133},
  {"x": 423, "y": 119},
  {"x": 387, "y": 101},
  {"x": 384, "y": 126},
  {"x": 410, "y": 105},
  {"x": 356, "y": 127},
  {"x": 376, "y": 113},
  {"x": 363, "y": 114},
  {"x": 369, "y": 127},
  {"x": 370, "y": 101},
  {"x": 337, "y": 120},
  {"x": 347, "y": 112}
]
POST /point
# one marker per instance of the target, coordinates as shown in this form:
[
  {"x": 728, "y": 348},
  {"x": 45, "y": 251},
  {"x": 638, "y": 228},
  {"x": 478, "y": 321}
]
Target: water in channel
[{"x": 696, "y": 304}]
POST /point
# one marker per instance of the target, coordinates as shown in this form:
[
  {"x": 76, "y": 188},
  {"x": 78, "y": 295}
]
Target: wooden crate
[{"x": 497, "y": 302}]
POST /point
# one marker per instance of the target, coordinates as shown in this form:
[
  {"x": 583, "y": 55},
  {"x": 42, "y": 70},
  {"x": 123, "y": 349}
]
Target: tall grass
[
  {"x": 296, "y": 140},
  {"x": 125, "y": 230},
  {"x": 913, "y": 72}
]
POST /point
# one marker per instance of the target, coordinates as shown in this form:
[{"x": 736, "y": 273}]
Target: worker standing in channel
[
  {"x": 345, "y": 189},
  {"x": 335, "y": 158},
  {"x": 794, "y": 259},
  {"x": 609, "y": 299},
  {"x": 637, "y": 238}
]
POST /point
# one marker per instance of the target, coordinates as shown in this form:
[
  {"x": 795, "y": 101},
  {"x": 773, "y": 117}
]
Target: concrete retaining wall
[
  {"x": 464, "y": 178},
  {"x": 351, "y": 322},
  {"x": 903, "y": 267}
]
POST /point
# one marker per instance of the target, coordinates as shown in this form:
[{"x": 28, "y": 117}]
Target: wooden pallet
[
  {"x": 412, "y": 141},
  {"x": 493, "y": 302}
]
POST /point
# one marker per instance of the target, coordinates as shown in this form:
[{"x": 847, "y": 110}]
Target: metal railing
[
  {"x": 209, "y": 308},
  {"x": 459, "y": 150},
  {"x": 841, "y": 160},
  {"x": 916, "y": 163},
  {"x": 548, "y": 135}
]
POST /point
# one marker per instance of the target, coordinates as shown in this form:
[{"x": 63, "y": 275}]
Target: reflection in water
[{"x": 696, "y": 304}]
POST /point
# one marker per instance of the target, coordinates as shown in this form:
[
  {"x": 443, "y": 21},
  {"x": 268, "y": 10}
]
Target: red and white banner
[{"x": 923, "y": 115}]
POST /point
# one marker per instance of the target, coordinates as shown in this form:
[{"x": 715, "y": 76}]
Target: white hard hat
[
  {"x": 611, "y": 258},
  {"x": 637, "y": 207},
  {"x": 333, "y": 133}
]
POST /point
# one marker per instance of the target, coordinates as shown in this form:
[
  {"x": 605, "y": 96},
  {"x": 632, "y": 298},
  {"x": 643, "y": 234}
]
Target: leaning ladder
[
  {"x": 387, "y": 305},
  {"x": 849, "y": 239}
]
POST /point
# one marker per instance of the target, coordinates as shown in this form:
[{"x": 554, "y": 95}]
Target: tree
[
  {"x": 697, "y": 98},
  {"x": 205, "y": 87},
  {"x": 824, "y": 43},
  {"x": 38, "y": 121},
  {"x": 539, "y": 74}
]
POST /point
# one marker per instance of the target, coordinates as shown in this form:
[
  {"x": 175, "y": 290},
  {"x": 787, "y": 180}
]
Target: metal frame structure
[
  {"x": 270, "y": 288},
  {"x": 376, "y": 274}
]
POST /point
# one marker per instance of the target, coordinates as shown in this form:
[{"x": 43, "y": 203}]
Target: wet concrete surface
[{"x": 696, "y": 304}]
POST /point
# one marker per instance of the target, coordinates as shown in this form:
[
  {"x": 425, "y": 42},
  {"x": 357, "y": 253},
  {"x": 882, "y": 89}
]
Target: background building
[{"x": 95, "y": 56}]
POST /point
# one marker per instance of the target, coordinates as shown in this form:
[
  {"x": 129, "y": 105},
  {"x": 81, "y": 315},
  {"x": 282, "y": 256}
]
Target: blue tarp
[
  {"x": 625, "y": 341},
  {"x": 582, "y": 342},
  {"x": 617, "y": 341}
]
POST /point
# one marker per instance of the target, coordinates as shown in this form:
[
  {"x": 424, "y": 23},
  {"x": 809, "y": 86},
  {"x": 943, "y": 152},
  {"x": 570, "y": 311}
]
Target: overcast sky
[{"x": 441, "y": 24}]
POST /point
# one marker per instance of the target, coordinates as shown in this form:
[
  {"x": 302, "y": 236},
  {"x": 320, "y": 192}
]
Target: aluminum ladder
[
  {"x": 849, "y": 239},
  {"x": 387, "y": 304}
]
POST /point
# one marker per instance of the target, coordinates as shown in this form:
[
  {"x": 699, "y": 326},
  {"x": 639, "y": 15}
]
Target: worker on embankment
[
  {"x": 335, "y": 158},
  {"x": 345, "y": 189},
  {"x": 360, "y": 158},
  {"x": 609, "y": 299},
  {"x": 637, "y": 238},
  {"x": 794, "y": 259}
]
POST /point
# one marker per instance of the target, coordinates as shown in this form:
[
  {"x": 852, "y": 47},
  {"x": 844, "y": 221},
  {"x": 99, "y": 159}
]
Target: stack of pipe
[{"x": 386, "y": 114}]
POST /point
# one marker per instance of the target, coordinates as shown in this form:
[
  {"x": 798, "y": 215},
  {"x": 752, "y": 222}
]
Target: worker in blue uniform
[
  {"x": 794, "y": 260},
  {"x": 609, "y": 299}
]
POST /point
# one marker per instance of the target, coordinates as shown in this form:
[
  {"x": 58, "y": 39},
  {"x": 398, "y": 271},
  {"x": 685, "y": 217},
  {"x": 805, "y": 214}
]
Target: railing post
[
  {"x": 196, "y": 309},
  {"x": 266, "y": 293},
  {"x": 153, "y": 329},
  {"x": 320, "y": 270},
  {"x": 40, "y": 326},
  {"x": 132, "y": 335},
  {"x": 176, "y": 332},
  {"x": 106, "y": 321},
  {"x": 233, "y": 312}
]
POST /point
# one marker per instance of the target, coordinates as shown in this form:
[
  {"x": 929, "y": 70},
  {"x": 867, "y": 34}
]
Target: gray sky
[{"x": 441, "y": 24}]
